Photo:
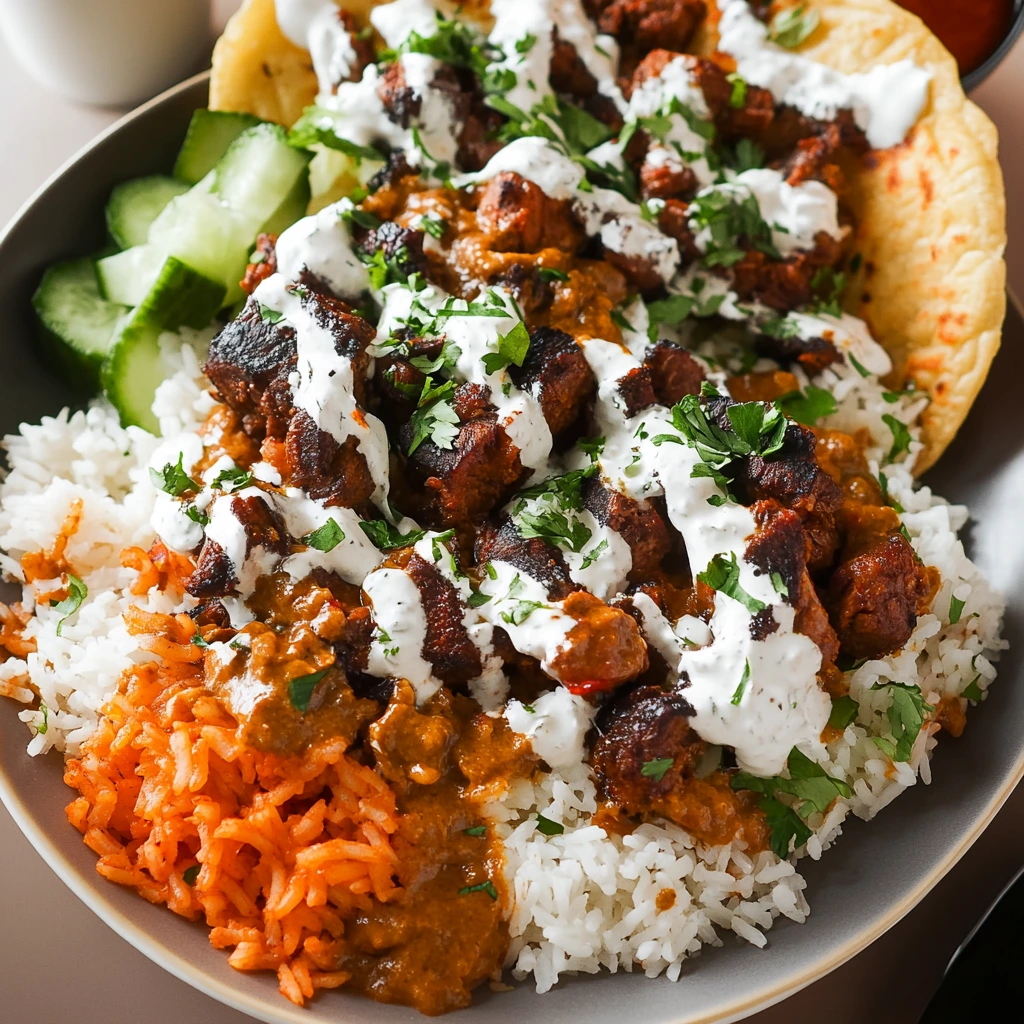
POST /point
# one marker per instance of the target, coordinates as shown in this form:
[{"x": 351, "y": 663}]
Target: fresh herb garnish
[
  {"x": 592, "y": 555},
  {"x": 547, "y": 827},
  {"x": 77, "y": 593},
  {"x": 236, "y": 478},
  {"x": 657, "y": 768},
  {"x": 548, "y": 509},
  {"x": 738, "y": 96},
  {"x": 972, "y": 691},
  {"x": 43, "y": 727},
  {"x": 173, "y": 479},
  {"x": 326, "y": 537},
  {"x": 433, "y": 226},
  {"x": 478, "y": 599},
  {"x": 476, "y": 830},
  {"x": 857, "y": 365},
  {"x": 592, "y": 446},
  {"x": 844, "y": 711},
  {"x": 827, "y": 286},
  {"x": 271, "y": 316},
  {"x": 724, "y": 576},
  {"x": 512, "y": 348},
  {"x": 906, "y": 715},
  {"x": 749, "y": 155},
  {"x": 789, "y": 28},
  {"x": 551, "y": 274},
  {"x": 900, "y": 436},
  {"x": 487, "y": 887},
  {"x": 434, "y": 417},
  {"x": 194, "y": 513},
  {"x": 301, "y": 689},
  {"x": 737, "y": 696},
  {"x": 808, "y": 406},
  {"x": 779, "y": 584},
  {"x": 729, "y": 222},
  {"x": 956, "y": 608},
  {"x": 311, "y": 130},
  {"x": 387, "y": 537}
]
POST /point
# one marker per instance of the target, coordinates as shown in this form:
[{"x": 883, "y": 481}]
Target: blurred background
[{"x": 43, "y": 129}]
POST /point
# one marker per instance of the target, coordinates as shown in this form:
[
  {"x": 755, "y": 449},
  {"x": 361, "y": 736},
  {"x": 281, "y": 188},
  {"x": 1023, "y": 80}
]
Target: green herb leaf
[
  {"x": 434, "y": 416},
  {"x": 173, "y": 479},
  {"x": 737, "y": 697},
  {"x": 512, "y": 348},
  {"x": 956, "y": 608},
  {"x": 197, "y": 516},
  {"x": 786, "y": 826},
  {"x": 326, "y": 537},
  {"x": 592, "y": 446},
  {"x": 551, "y": 274},
  {"x": 236, "y": 478},
  {"x": 519, "y": 612},
  {"x": 906, "y": 716},
  {"x": 844, "y": 711},
  {"x": 779, "y": 584},
  {"x": 789, "y": 28},
  {"x": 738, "y": 96},
  {"x": 900, "y": 436},
  {"x": 44, "y": 726},
  {"x": 271, "y": 316},
  {"x": 476, "y": 830},
  {"x": 724, "y": 576},
  {"x": 972, "y": 691},
  {"x": 808, "y": 406},
  {"x": 77, "y": 593},
  {"x": 657, "y": 768},
  {"x": 387, "y": 537},
  {"x": 189, "y": 875},
  {"x": 731, "y": 223},
  {"x": 487, "y": 887},
  {"x": 592, "y": 555},
  {"x": 301, "y": 689},
  {"x": 857, "y": 365},
  {"x": 478, "y": 599},
  {"x": 749, "y": 155},
  {"x": 547, "y": 827},
  {"x": 310, "y": 130}
]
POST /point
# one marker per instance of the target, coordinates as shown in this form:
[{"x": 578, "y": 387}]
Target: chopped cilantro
[
  {"x": 844, "y": 711},
  {"x": 972, "y": 691},
  {"x": 173, "y": 479},
  {"x": 857, "y": 365},
  {"x": 808, "y": 406},
  {"x": 592, "y": 555},
  {"x": 310, "y": 130},
  {"x": 749, "y": 155},
  {"x": 738, "y": 96},
  {"x": 827, "y": 287},
  {"x": 779, "y": 584},
  {"x": 236, "y": 478},
  {"x": 900, "y": 436},
  {"x": 326, "y": 537},
  {"x": 387, "y": 537},
  {"x": 724, "y": 576},
  {"x": 301, "y": 689},
  {"x": 790, "y": 27},
  {"x": 779, "y": 327},
  {"x": 906, "y": 715},
  {"x": 433, "y": 225},
  {"x": 592, "y": 446},
  {"x": 546, "y": 510},
  {"x": 547, "y": 827},
  {"x": 43, "y": 727},
  {"x": 434, "y": 416},
  {"x": 477, "y": 599},
  {"x": 956, "y": 608},
  {"x": 552, "y": 274},
  {"x": 487, "y": 887},
  {"x": 198, "y": 640},
  {"x": 196, "y": 515},
  {"x": 730, "y": 223},
  {"x": 657, "y": 768},
  {"x": 786, "y": 826},
  {"x": 362, "y": 218},
  {"x": 476, "y": 830},
  {"x": 77, "y": 593},
  {"x": 737, "y": 696},
  {"x": 271, "y": 316},
  {"x": 512, "y": 348},
  {"x": 525, "y": 45}
]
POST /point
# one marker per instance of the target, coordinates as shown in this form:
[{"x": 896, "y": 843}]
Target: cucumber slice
[
  {"x": 259, "y": 171},
  {"x": 134, "y": 368},
  {"x": 134, "y": 205},
  {"x": 75, "y": 322},
  {"x": 126, "y": 277},
  {"x": 210, "y": 132},
  {"x": 292, "y": 208}
]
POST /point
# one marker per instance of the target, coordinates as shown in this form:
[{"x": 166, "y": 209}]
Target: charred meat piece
[
  {"x": 403, "y": 245},
  {"x": 674, "y": 372},
  {"x": 785, "y": 284},
  {"x": 673, "y": 221},
  {"x": 636, "y": 390},
  {"x": 260, "y": 269},
  {"x": 778, "y": 546},
  {"x": 638, "y": 522},
  {"x": 402, "y": 103},
  {"x": 215, "y": 575},
  {"x": 570, "y": 75},
  {"x": 648, "y": 725},
  {"x": 662, "y": 178},
  {"x": 603, "y": 650},
  {"x": 557, "y": 372},
  {"x": 813, "y": 159},
  {"x": 875, "y": 597},
  {"x": 336, "y": 474},
  {"x": 463, "y": 483},
  {"x": 477, "y": 142},
  {"x": 640, "y": 271},
  {"x": 813, "y": 354},
  {"x": 502, "y": 542},
  {"x": 644, "y": 25},
  {"x": 447, "y": 646},
  {"x": 517, "y": 216},
  {"x": 528, "y": 287},
  {"x": 793, "y": 477},
  {"x": 249, "y": 363}
]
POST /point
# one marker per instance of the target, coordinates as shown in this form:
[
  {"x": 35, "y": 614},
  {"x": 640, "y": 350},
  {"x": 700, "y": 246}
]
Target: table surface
[{"x": 103, "y": 980}]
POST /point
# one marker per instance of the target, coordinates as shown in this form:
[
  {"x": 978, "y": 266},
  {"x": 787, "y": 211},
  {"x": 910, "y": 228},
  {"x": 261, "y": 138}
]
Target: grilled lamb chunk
[
  {"x": 464, "y": 482},
  {"x": 673, "y": 221},
  {"x": 813, "y": 354},
  {"x": 778, "y": 546},
  {"x": 784, "y": 284},
  {"x": 674, "y": 372},
  {"x": 557, "y": 372},
  {"x": 518, "y": 216},
  {"x": 396, "y": 242},
  {"x": 453, "y": 656},
  {"x": 793, "y": 477},
  {"x": 402, "y": 103},
  {"x": 875, "y": 596},
  {"x": 643, "y": 25},
  {"x": 214, "y": 574},
  {"x": 637, "y": 390},
  {"x": 502, "y": 542},
  {"x": 336, "y": 474},
  {"x": 661, "y": 180},
  {"x": 603, "y": 650},
  {"x": 249, "y": 361},
  {"x": 638, "y": 522}
]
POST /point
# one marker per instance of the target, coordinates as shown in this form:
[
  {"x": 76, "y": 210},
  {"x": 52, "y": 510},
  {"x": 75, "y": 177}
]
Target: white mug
[{"x": 107, "y": 52}]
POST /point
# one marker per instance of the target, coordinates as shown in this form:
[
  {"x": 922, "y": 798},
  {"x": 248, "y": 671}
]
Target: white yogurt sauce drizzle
[{"x": 886, "y": 101}]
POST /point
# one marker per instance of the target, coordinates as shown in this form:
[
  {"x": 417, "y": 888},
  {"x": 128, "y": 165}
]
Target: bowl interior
[{"x": 873, "y": 876}]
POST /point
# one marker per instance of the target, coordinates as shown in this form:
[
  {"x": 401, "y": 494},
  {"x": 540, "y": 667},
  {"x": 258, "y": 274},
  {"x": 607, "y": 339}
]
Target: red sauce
[{"x": 969, "y": 29}]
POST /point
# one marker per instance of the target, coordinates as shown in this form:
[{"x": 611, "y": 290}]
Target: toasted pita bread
[{"x": 931, "y": 212}]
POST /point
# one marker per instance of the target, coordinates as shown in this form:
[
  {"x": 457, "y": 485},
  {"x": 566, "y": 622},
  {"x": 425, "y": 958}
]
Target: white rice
[{"x": 584, "y": 900}]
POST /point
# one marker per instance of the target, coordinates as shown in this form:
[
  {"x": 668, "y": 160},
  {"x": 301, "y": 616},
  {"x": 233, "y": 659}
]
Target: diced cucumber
[
  {"x": 134, "y": 205},
  {"x": 292, "y": 208},
  {"x": 207, "y": 235},
  {"x": 76, "y": 322},
  {"x": 126, "y": 277},
  {"x": 133, "y": 368},
  {"x": 259, "y": 171},
  {"x": 210, "y": 132}
]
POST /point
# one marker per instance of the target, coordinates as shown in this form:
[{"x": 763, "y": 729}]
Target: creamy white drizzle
[
  {"x": 249, "y": 562},
  {"x": 398, "y": 20},
  {"x": 556, "y": 724},
  {"x": 886, "y": 101},
  {"x": 322, "y": 244},
  {"x": 323, "y": 383}
]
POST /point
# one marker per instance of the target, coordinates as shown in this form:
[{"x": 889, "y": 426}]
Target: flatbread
[{"x": 931, "y": 212}]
